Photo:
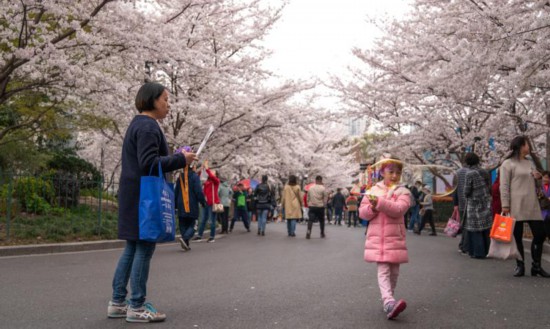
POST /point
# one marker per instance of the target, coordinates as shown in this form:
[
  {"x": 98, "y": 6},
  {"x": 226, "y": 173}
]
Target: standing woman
[
  {"x": 143, "y": 149},
  {"x": 478, "y": 207},
  {"x": 518, "y": 197},
  {"x": 225, "y": 193},
  {"x": 291, "y": 202}
]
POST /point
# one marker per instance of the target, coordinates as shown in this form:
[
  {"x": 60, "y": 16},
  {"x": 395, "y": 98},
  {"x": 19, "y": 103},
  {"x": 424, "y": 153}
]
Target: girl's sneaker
[
  {"x": 117, "y": 310},
  {"x": 394, "y": 308},
  {"x": 146, "y": 313}
]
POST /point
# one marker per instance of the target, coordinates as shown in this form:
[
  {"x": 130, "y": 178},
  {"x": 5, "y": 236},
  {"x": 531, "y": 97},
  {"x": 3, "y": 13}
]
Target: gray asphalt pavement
[{"x": 247, "y": 281}]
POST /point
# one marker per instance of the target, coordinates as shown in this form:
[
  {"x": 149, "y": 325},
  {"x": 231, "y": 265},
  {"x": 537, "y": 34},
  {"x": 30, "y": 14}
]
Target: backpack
[
  {"x": 241, "y": 200},
  {"x": 263, "y": 194}
]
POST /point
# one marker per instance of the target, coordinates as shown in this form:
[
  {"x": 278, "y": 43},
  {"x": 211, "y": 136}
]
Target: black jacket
[
  {"x": 338, "y": 201},
  {"x": 264, "y": 197}
]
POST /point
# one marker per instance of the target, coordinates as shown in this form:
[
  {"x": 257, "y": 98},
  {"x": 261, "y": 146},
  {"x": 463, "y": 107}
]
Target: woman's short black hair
[
  {"x": 471, "y": 159},
  {"x": 147, "y": 94}
]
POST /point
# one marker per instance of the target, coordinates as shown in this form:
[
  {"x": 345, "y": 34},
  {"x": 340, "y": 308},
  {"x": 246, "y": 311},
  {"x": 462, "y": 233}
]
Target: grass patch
[{"x": 82, "y": 223}]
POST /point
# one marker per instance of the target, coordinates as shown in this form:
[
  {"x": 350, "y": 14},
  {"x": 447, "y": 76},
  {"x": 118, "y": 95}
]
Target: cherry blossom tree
[
  {"x": 456, "y": 75},
  {"x": 86, "y": 60}
]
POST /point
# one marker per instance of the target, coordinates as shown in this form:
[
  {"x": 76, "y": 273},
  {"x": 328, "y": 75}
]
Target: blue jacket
[
  {"x": 196, "y": 195},
  {"x": 225, "y": 193}
]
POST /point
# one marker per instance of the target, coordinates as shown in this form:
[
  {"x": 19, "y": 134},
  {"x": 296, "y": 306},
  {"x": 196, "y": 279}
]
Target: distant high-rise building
[{"x": 356, "y": 127}]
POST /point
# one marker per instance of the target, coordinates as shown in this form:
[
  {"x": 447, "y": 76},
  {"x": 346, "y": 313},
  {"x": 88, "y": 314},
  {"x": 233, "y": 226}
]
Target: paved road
[{"x": 246, "y": 281}]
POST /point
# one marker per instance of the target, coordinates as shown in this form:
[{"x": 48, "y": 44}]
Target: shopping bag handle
[
  {"x": 456, "y": 215},
  {"x": 160, "y": 170}
]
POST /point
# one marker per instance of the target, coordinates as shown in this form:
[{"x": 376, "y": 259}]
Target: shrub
[
  {"x": 33, "y": 193},
  {"x": 36, "y": 204}
]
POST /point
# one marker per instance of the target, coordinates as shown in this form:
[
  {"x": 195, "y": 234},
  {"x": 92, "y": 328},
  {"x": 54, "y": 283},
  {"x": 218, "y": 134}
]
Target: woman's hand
[
  {"x": 505, "y": 211},
  {"x": 205, "y": 164},
  {"x": 189, "y": 157}
]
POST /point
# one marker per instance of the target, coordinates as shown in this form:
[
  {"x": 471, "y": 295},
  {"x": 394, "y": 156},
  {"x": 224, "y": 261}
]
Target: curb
[{"x": 54, "y": 248}]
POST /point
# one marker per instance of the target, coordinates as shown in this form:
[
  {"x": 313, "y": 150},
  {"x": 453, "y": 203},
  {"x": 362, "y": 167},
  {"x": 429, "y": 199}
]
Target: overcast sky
[{"x": 315, "y": 37}]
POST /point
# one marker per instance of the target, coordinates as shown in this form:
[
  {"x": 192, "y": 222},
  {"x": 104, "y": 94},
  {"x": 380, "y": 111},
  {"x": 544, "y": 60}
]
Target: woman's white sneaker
[
  {"x": 117, "y": 310},
  {"x": 146, "y": 313}
]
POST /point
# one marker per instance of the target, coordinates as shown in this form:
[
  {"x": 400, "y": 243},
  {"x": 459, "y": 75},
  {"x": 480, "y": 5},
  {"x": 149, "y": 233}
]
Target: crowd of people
[{"x": 390, "y": 208}]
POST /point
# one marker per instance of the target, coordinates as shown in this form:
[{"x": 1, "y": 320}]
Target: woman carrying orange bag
[{"x": 518, "y": 196}]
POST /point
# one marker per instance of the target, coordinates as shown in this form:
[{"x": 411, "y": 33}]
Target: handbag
[
  {"x": 503, "y": 228},
  {"x": 216, "y": 207},
  {"x": 157, "y": 220},
  {"x": 501, "y": 250},
  {"x": 453, "y": 225}
]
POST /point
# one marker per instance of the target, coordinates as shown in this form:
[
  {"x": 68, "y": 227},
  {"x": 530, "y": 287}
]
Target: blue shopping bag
[{"x": 157, "y": 221}]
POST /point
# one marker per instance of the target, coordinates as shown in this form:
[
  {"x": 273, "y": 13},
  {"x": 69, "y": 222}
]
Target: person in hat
[
  {"x": 240, "y": 212},
  {"x": 385, "y": 207},
  {"x": 427, "y": 211}
]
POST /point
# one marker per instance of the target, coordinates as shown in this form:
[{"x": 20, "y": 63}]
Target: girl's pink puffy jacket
[{"x": 386, "y": 234}]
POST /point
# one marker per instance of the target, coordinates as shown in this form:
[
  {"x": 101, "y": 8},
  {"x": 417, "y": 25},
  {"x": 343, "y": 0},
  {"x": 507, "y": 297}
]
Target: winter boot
[
  {"x": 536, "y": 269},
  {"x": 520, "y": 268}
]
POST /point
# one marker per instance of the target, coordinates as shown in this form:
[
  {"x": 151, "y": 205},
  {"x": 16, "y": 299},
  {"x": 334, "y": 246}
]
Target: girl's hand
[
  {"x": 373, "y": 201},
  {"x": 205, "y": 164}
]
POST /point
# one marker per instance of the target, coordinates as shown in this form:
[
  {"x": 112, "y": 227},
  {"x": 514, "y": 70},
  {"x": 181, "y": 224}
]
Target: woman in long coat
[
  {"x": 291, "y": 202},
  {"x": 144, "y": 147}
]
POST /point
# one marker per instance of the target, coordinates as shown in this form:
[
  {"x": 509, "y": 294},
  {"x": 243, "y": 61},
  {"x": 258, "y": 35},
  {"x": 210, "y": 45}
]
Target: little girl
[{"x": 384, "y": 208}]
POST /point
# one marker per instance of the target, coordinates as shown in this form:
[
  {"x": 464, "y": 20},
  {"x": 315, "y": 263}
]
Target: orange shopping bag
[{"x": 503, "y": 228}]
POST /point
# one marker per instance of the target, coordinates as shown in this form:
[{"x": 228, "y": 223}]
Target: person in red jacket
[
  {"x": 305, "y": 209},
  {"x": 211, "y": 193}
]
